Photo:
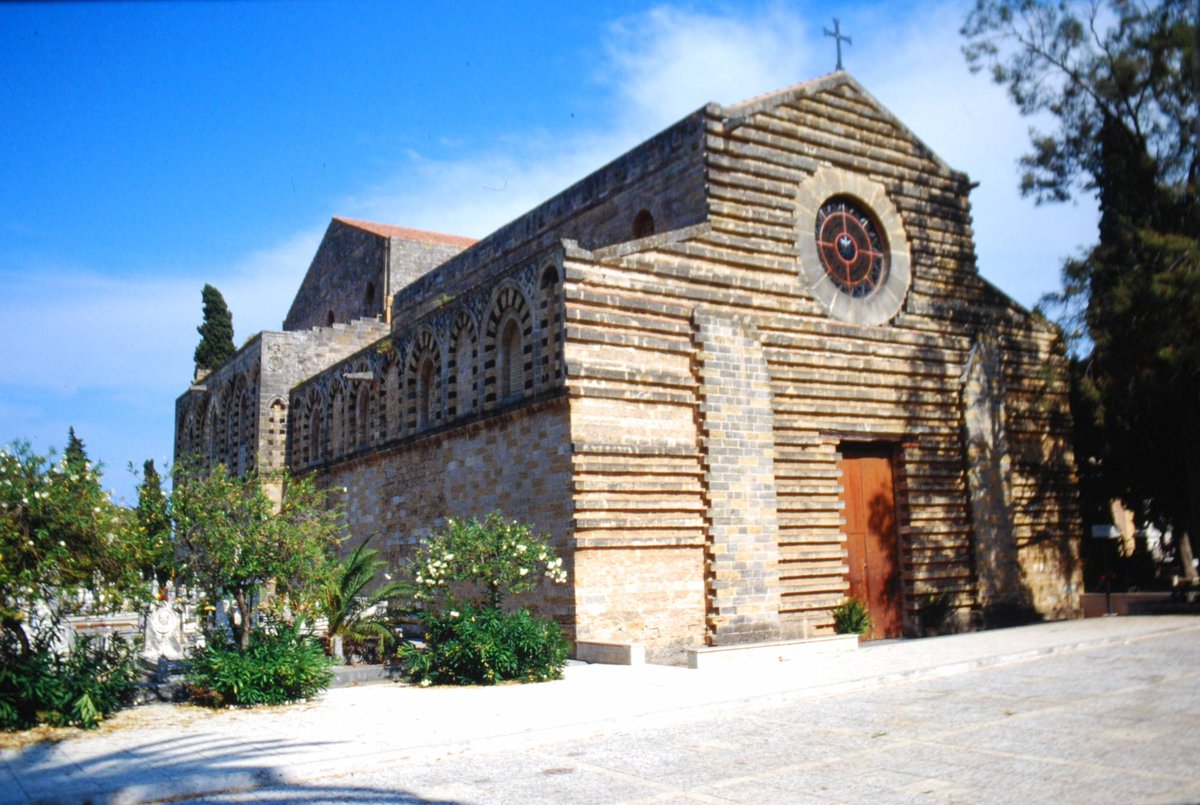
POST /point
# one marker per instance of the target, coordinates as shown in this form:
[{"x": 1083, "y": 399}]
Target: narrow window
[
  {"x": 643, "y": 224},
  {"x": 464, "y": 369},
  {"x": 329, "y": 319},
  {"x": 425, "y": 394},
  {"x": 314, "y": 435},
  {"x": 363, "y": 416},
  {"x": 370, "y": 294},
  {"x": 508, "y": 368}
]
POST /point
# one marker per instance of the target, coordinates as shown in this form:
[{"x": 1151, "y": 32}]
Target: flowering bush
[
  {"x": 63, "y": 542},
  {"x": 462, "y": 575},
  {"x": 491, "y": 558}
]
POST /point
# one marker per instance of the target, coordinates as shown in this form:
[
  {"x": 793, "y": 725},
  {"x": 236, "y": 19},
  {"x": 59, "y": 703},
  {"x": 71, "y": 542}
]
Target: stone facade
[
  {"x": 358, "y": 267},
  {"x": 655, "y": 368}
]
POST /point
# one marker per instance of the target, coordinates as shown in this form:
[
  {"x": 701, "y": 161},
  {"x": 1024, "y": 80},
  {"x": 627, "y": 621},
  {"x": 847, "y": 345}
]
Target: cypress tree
[
  {"x": 154, "y": 526},
  {"x": 216, "y": 333},
  {"x": 76, "y": 453}
]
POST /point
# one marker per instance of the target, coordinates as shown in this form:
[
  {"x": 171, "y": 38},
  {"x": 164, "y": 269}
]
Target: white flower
[
  {"x": 454, "y": 613},
  {"x": 520, "y": 549},
  {"x": 524, "y": 570}
]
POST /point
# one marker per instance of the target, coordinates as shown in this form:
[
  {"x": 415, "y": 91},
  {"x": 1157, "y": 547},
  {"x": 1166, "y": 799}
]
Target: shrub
[
  {"x": 475, "y": 641},
  {"x": 851, "y": 617},
  {"x": 43, "y": 686},
  {"x": 283, "y": 664},
  {"x": 491, "y": 558},
  {"x": 356, "y": 617},
  {"x": 482, "y": 646}
]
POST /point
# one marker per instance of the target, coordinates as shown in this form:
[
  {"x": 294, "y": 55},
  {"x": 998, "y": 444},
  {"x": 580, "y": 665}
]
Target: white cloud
[
  {"x": 72, "y": 329},
  {"x": 668, "y": 62},
  {"x": 970, "y": 122}
]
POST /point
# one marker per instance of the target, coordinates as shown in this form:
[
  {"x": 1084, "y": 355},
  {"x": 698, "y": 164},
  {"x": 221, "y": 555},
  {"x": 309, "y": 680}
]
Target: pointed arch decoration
[
  {"x": 462, "y": 371},
  {"x": 508, "y": 347},
  {"x": 550, "y": 329},
  {"x": 423, "y": 378}
]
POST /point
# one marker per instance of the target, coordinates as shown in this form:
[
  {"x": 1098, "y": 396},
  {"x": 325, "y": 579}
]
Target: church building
[{"x": 739, "y": 374}]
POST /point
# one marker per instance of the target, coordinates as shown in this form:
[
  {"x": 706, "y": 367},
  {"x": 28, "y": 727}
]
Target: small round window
[{"x": 850, "y": 246}]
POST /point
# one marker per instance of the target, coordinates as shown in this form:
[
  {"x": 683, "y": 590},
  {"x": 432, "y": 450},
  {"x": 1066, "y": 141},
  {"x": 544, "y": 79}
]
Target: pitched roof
[
  {"x": 389, "y": 231},
  {"x": 812, "y": 86}
]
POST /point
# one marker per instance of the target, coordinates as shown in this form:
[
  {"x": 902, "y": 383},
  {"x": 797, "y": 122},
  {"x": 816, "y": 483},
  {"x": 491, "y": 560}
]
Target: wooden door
[{"x": 869, "y": 507}]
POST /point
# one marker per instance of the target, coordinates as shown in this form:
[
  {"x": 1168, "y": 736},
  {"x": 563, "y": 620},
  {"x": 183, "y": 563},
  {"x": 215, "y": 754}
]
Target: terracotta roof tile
[{"x": 389, "y": 231}]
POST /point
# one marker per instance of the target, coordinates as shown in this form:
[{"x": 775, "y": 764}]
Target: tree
[
  {"x": 463, "y": 574},
  {"x": 1120, "y": 79},
  {"x": 75, "y": 454},
  {"x": 347, "y": 611},
  {"x": 63, "y": 544},
  {"x": 487, "y": 559},
  {"x": 154, "y": 527},
  {"x": 235, "y": 540},
  {"x": 216, "y": 333}
]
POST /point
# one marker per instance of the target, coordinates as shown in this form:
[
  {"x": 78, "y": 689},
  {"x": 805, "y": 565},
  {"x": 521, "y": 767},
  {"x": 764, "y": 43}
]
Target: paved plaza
[{"x": 1090, "y": 711}]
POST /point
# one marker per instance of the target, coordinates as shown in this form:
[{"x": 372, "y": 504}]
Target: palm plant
[{"x": 351, "y": 615}]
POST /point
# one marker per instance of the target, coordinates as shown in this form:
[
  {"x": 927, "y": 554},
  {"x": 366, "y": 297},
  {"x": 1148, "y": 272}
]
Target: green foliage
[
  {"x": 1120, "y": 79},
  {"x": 474, "y": 641},
  {"x": 216, "y": 332},
  {"x": 851, "y": 617},
  {"x": 345, "y": 607},
  {"x": 482, "y": 646},
  {"x": 1086, "y": 63},
  {"x": 233, "y": 540},
  {"x": 60, "y": 538},
  {"x": 282, "y": 664},
  {"x": 154, "y": 527},
  {"x": 489, "y": 559},
  {"x": 75, "y": 456},
  {"x": 43, "y": 686}
]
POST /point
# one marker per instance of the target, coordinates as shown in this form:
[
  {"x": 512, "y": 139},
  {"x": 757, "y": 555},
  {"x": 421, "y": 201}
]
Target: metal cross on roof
[{"x": 836, "y": 33}]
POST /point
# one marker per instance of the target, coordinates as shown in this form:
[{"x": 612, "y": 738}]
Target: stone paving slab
[{"x": 662, "y": 733}]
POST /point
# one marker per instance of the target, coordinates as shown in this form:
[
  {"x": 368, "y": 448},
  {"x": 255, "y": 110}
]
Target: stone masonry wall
[
  {"x": 629, "y": 312},
  {"x": 238, "y": 414},
  {"x": 518, "y": 462},
  {"x": 359, "y": 266},
  {"x": 664, "y": 175},
  {"x": 738, "y": 445}
]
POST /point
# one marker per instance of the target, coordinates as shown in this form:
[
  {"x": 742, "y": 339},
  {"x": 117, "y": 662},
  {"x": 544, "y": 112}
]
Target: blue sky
[{"x": 149, "y": 148}]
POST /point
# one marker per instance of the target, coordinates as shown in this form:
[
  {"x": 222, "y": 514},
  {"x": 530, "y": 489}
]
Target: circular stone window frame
[{"x": 885, "y": 302}]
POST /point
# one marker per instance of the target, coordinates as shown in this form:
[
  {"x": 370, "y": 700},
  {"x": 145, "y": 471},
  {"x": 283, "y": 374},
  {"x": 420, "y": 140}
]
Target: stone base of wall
[
  {"x": 752, "y": 654},
  {"x": 650, "y": 596},
  {"x": 610, "y": 653}
]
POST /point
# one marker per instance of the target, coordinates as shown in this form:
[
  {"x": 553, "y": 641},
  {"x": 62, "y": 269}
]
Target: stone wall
[
  {"x": 640, "y": 473},
  {"x": 664, "y": 176},
  {"x": 518, "y": 461},
  {"x": 359, "y": 265},
  {"x": 238, "y": 414}
]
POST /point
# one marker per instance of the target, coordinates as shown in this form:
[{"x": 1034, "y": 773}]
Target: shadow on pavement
[{"x": 178, "y": 770}]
